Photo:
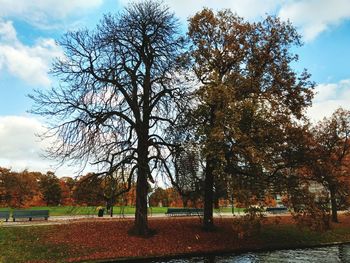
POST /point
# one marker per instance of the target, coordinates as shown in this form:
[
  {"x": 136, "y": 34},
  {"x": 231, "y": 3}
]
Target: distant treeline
[{"x": 26, "y": 189}]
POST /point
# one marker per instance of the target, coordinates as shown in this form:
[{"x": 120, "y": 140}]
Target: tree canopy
[{"x": 220, "y": 111}]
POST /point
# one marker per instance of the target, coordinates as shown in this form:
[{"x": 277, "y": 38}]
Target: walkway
[{"x": 57, "y": 220}]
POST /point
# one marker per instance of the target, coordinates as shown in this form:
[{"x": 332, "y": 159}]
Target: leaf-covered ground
[{"x": 108, "y": 239}]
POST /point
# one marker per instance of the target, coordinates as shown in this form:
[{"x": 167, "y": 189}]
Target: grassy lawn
[
  {"x": 64, "y": 210},
  {"x": 23, "y": 244},
  {"x": 86, "y": 210},
  {"x": 127, "y": 210},
  {"x": 290, "y": 235}
]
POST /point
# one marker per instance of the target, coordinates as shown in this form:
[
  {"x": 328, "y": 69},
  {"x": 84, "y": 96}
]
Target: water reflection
[{"x": 339, "y": 253}]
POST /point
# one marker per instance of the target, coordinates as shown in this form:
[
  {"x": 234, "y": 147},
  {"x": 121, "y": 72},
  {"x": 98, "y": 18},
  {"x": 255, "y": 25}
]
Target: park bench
[
  {"x": 5, "y": 215},
  {"x": 30, "y": 214},
  {"x": 276, "y": 210},
  {"x": 196, "y": 211},
  {"x": 184, "y": 212}
]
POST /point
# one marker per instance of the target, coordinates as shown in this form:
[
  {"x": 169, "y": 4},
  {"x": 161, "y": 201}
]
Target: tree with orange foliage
[
  {"x": 17, "y": 189},
  {"x": 88, "y": 190},
  {"x": 175, "y": 198},
  {"x": 248, "y": 98},
  {"x": 331, "y": 155},
  {"x": 67, "y": 184}
]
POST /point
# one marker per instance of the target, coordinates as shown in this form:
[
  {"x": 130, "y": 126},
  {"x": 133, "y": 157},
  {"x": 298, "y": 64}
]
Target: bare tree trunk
[
  {"x": 184, "y": 201},
  {"x": 216, "y": 202},
  {"x": 141, "y": 220},
  {"x": 111, "y": 211},
  {"x": 208, "y": 222},
  {"x": 334, "y": 205}
]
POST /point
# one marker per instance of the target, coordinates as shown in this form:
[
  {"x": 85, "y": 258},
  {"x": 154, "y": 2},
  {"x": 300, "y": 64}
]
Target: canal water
[{"x": 329, "y": 254}]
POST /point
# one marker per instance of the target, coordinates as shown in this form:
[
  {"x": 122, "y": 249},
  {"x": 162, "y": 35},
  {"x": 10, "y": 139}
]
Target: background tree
[
  {"x": 159, "y": 197},
  {"x": 88, "y": 191},
  {"x": 50, "y": 188},
  {"x": 17, "y": 189},
  {"x": 116, "y": 96},
  {"x": 248, "y": 98},
  {"x": 5, "y": 196},
  {"x": 67, "y": 185},
  {"x": 331, "y": 152},
  {"x": 114, "y": 186}
]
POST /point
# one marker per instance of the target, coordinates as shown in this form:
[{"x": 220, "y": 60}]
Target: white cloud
[
  {"x": 42, "y": 13},
  {"x": 315, "y": 16},
  {"x": 17, "y": 137},
  {"x": 249, "y": 9},
  {"x": 30, "y": 63},
  {"x": 312, "y": 17},
  {"x": 325, "y": 92},
  {"x": 328, "y": 98},
  {"x": 7, "y": 32},
  {"x": 22, "y": 149}
]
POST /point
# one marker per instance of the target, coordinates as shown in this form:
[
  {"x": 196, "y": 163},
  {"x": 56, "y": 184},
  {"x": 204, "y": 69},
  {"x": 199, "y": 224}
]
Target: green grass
[
  {"x": 64, "y": 210},
  {"x": 23, "y": 244},
  {"x": 290, "y": 235},
  {"x": 79, "y": 210},
  {"x": 92, "y": 210}
]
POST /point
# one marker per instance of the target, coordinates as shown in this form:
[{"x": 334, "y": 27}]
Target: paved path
[{"x": 57, "y": 220}]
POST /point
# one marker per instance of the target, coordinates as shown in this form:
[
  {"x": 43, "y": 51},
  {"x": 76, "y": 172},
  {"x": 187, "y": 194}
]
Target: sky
[{"x": 29, "y": 30}]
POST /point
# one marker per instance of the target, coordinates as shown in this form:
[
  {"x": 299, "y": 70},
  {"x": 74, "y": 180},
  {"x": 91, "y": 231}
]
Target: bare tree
[{"x": 117, "y": 95}]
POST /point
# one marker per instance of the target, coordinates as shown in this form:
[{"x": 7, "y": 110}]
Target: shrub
[{"x": 250, "y": 224}]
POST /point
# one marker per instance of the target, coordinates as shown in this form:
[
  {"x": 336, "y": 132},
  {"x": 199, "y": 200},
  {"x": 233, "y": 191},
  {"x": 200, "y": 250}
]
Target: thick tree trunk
[
  {"x": 334, "y": 207},
  {"x": 141, "y": 220},
  {"x": 208, "y": 222}
]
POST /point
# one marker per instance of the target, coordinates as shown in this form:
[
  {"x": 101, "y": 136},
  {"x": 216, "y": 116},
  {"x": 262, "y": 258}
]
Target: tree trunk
[
  {"x": 184, "y": 201},
  {"x": 141, "y": 221},
  {"x": 216, "y": 203},
  {"x": 208, "y": 223},
  {"x": 334, "y": 205},
  {"x": 111, "y": 211}
]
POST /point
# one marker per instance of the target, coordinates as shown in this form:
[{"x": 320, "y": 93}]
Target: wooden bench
[
  {"x": 184, "y": 212},
  {"x": 276, "y": 210},
  {"x": 5, "y": 215},
  {"x": 30, "y": 214}
]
